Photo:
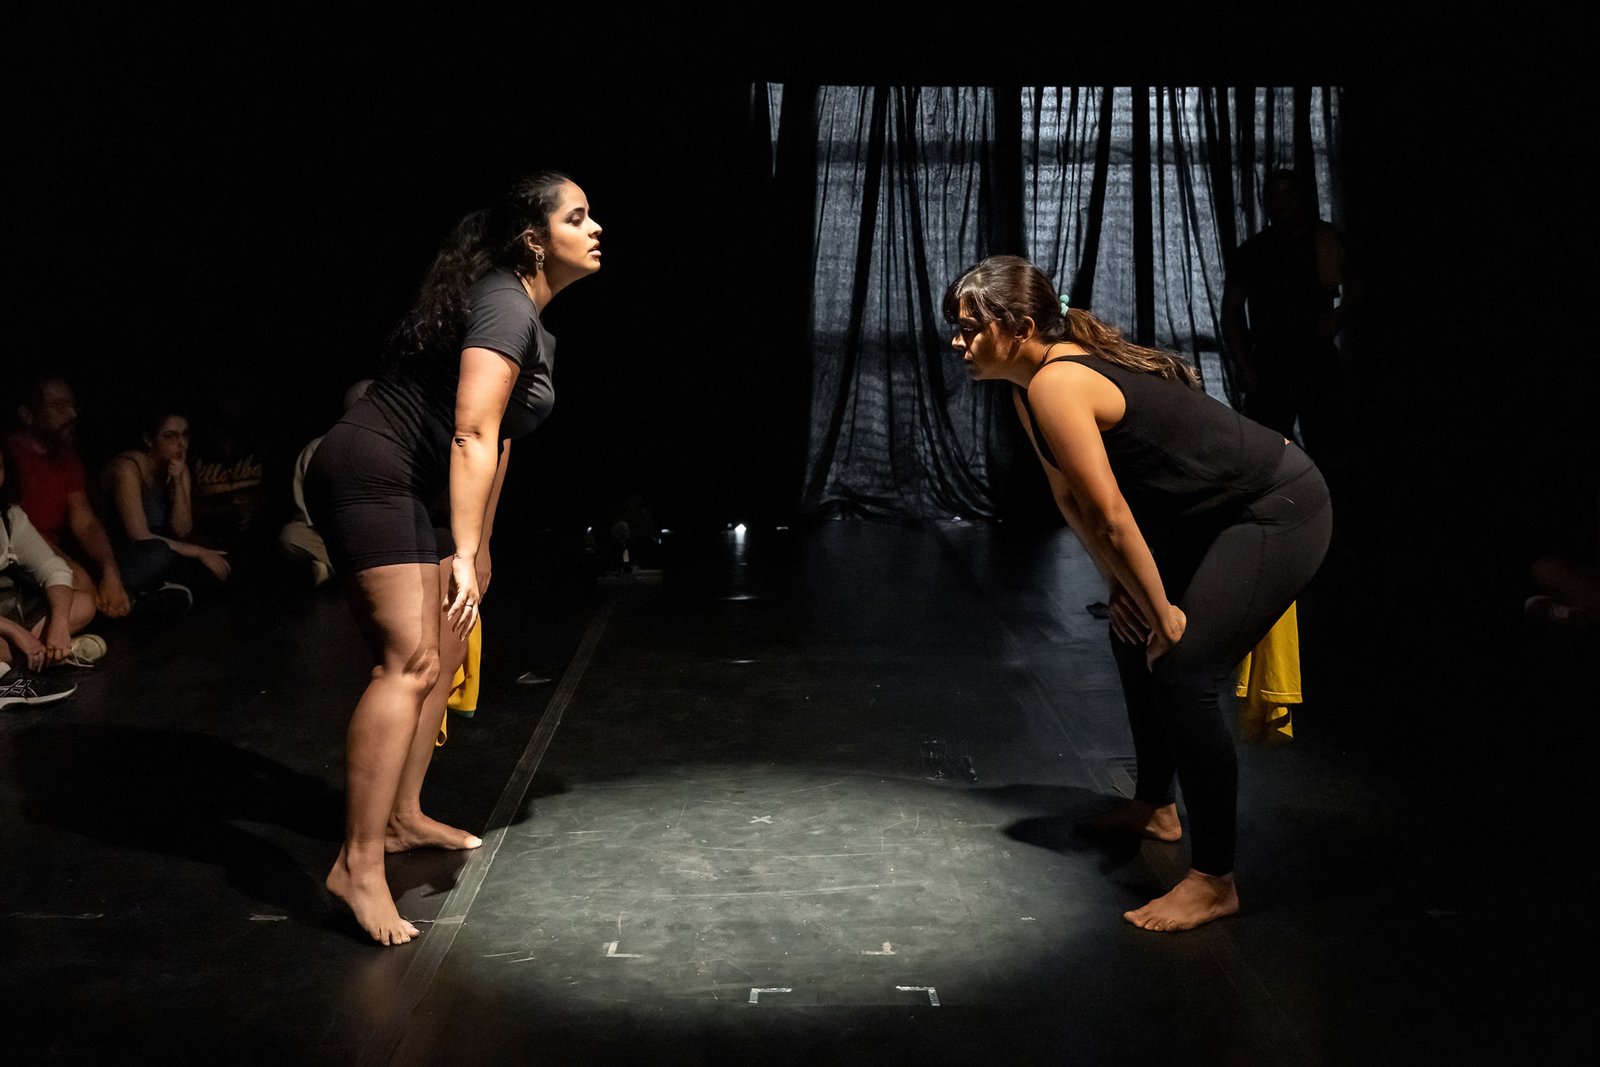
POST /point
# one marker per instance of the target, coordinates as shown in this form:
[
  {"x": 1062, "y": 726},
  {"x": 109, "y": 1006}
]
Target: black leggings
[{"x": 1241, "y": 584}]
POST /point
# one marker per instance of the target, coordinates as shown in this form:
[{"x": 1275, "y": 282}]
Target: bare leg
[
  {"x": 82, "y": 611},
  {"x": 408, "y": 827},
  {"x": 1198, "y": 899},
  {"x": 397, "y": 607},
  {"x": 1142, "y": 818},
  {"x": 84, "y": 603}
]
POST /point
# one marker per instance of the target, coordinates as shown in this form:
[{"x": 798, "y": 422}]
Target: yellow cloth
[
  {"x": 464, "y": 688},
  {"x": 1269, "y": 682}
]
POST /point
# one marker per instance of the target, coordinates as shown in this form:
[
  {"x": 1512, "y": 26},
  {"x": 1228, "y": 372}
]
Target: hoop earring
[{"x": 538, "y": 260}]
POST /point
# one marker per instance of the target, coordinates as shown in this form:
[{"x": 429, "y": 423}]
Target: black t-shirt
[{"x": 413, "y": 401}]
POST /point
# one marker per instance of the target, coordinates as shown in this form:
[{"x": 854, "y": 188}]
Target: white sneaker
[{"x": 86, "y": 650}]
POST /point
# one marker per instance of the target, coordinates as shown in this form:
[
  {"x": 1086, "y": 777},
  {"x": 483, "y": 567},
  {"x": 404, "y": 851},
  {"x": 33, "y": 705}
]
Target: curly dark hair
[
  {"x": 483, "y": 240},
  {"x": 1007, "y": 289}
]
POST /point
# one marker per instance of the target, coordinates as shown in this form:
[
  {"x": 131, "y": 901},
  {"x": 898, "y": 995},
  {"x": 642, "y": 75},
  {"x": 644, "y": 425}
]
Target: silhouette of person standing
[{"x": 1286, "y": 296}]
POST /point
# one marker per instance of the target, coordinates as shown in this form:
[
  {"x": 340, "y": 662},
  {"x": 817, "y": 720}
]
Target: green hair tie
[{"x": 1064, "y": 307}]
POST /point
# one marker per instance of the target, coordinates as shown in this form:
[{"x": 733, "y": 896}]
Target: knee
[
  {"x": 83, "y": 583},
  {"x": 144, "y": 562},
  {"x": 82, "y": 611},
  {"x": 289, "y": 538},
  {"x": 417, "y": 671},
  {"x": 298, "y": 540}
]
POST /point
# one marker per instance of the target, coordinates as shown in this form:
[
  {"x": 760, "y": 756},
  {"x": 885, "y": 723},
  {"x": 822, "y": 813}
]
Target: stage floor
[{"x": 804, "y": 795}]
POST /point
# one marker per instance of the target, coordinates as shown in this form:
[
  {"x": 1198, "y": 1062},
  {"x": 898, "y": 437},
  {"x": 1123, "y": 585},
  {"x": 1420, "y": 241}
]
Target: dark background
[{"x": 232, "y": 203}]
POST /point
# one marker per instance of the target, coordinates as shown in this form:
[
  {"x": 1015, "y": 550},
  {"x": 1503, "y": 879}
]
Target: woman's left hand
[
  {"x": 216, "y": 561},
  {"x": 1163, "y": 637},
  {"x": 461, "y": 604}
]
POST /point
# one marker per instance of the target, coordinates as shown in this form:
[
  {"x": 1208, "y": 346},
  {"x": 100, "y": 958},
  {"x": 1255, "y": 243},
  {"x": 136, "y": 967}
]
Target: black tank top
[{"x": 1184, "y": 461}]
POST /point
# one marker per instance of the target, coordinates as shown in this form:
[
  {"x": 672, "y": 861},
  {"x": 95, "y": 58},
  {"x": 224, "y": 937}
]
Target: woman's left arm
[
  {"x": 485, "y": 567},
  {"x": 1064, "y": 402},
  {"x": 475, "y": 466}
]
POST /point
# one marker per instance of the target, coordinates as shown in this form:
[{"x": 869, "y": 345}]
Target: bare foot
[
  {"x": 369, "y": 901},
  {"x": 416, "y": 830},
  {"x": 1142, "y": 818},
  {"x": 1195, "y": 901}
]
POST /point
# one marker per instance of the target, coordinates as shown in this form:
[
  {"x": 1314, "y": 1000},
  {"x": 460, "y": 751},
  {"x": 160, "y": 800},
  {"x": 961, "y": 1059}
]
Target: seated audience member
[
  {"x": 36, "y": 606},
  {"x": 49, "y": 483},
  {"x": 228, "y": 493},
  {"x": 1568, "y": 577},
  {"x": 299, "y": 538},
  {"x": 1570, "y": 592},
  {"x": 149, "y": 505}
]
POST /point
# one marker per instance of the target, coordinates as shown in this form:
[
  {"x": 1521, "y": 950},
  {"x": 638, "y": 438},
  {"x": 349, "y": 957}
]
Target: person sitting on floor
[
  {"x": 149, "y": 501},
  {"x": 37, "y": 602},
  {"x": 228, "y": 475},
  {"x": 50, "y": 485},
  {"x": 299, "y": 539}
]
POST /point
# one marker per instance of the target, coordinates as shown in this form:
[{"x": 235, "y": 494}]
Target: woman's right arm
[
  {"x": 1065, "y": 406},
  {"x": 1126, "y": 619}
]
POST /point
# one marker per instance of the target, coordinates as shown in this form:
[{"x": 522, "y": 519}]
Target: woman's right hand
[
  {"x": 1127, "y": 621},
  {"x": 461, "y": 602},
  {"x": 1164, "y": 637}
]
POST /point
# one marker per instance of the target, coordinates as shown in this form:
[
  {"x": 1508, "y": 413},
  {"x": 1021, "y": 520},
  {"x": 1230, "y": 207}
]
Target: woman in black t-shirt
[
  {"x": 1205, "y": 525},
  {"x": 471, "y": 369}
]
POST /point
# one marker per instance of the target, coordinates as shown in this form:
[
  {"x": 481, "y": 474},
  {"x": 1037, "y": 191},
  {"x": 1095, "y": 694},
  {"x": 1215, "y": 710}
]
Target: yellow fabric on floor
[
  {"x": 463, "y": 698},
  {"x": 1269, "y": 683}
]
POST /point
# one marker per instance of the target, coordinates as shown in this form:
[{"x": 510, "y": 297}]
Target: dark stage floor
[{"x": 806, "y": 796}]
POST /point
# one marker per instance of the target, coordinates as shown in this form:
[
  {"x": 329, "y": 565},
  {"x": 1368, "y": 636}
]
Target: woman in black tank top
[{"x": 1205, "y": 526}]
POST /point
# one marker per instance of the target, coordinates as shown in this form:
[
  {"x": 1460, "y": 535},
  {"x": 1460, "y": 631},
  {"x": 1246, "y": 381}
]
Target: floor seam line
[{"x": 381, "y": 1045}]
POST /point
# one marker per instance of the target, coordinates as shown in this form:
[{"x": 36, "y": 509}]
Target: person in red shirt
[{"x": 51, "y": 487}]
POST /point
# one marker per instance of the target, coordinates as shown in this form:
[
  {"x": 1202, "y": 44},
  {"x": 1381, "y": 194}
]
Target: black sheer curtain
[
  {"x": 905, "y": 194},
  {"x": 1128, "y": 196}
]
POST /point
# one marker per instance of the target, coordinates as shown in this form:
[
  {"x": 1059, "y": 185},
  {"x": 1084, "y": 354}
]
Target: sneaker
[
  {"x": 169, "y": 598},
  {"x": 25, "y": 687},
  {"x": 86, "y": 650}
]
